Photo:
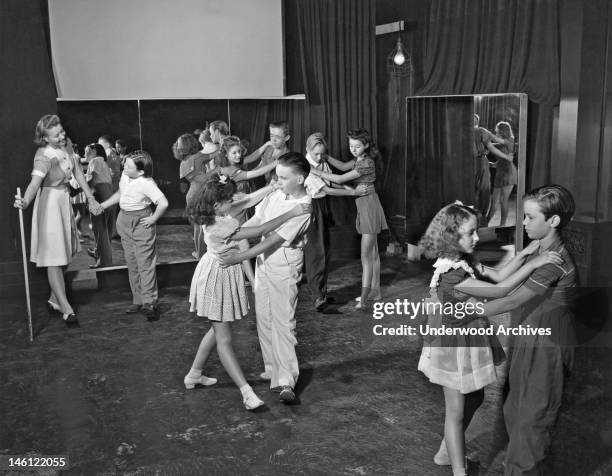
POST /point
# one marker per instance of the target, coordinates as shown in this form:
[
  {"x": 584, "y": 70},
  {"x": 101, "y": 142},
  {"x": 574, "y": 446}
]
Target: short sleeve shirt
[
  {"x": 138, "y": 193},
  {"x": 277, "y": 203}
]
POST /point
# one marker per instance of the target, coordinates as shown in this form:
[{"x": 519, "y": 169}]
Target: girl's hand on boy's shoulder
[
  {"x": 548, "y": 257},
  {"x": 531, "y": 248},
  {"x": 302, "y": 209}
]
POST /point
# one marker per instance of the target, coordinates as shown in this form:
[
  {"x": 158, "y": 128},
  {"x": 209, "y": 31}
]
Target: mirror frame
[{"x": 521, "y": 159}]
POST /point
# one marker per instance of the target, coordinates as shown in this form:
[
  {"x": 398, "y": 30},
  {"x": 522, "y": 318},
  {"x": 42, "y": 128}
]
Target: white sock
[
  {"x": 459, "y": 472},
  {"x": 194, "y": 373},
  {"x": 245, "y": 390}
]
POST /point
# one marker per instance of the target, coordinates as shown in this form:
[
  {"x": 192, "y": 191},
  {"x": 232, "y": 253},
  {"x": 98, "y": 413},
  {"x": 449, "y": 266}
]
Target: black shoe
[
  {"x": 92, "y": 252},
  {"x": 150, "y": 312},
  {"x": 320, "y": 304},
  {"x": 53, "y": 308},
  {"x": 133, "y": 309},
  {"x": 71, "y": 320},
  {"x": 287, "y": 395}
]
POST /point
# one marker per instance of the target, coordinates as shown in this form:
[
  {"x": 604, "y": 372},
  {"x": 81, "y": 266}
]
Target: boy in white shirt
[
  {"x": 278, "y": 271},
  {"x": 136, "y": 226}
]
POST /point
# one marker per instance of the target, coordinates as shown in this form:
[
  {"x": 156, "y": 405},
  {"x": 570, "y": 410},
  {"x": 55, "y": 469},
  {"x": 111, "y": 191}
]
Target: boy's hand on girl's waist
[
  {"x": 228, "y": 258},
  {"x": 364, "y": 189}
]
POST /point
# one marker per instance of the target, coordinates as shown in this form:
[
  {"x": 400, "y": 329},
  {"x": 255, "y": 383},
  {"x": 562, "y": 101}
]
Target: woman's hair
[
  {"x": 185, "y": 146},
  {"x": 554, "y": 200},
  {"x": 221, "y": 160},
  {"x": 220, "y": 126},
  {"x": 143, "y": 161},
  {"x": 315, "y": 139},
  {"x": 201, "y": 209},
  {"x": 505, "y": 130},
  {"x": 42, "y": 126},
  {"x": 363, "y": 136},
  {"x": 441, "y": 239},
  {"x": 100, "y": 152}
]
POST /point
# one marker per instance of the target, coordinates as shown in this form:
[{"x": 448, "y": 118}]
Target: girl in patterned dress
[
  {"x": 370, "y": 215},
  {"x": 218, "y": 293},
  {"x": 463, "y": 364}
]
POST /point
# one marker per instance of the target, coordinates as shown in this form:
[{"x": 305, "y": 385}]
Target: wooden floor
[{"x": 110, "y": 394}]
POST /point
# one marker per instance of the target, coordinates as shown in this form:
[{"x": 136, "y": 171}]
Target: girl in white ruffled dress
[
  {"x": 463, "y": 364},
  {"x": 219, "y": 293}
]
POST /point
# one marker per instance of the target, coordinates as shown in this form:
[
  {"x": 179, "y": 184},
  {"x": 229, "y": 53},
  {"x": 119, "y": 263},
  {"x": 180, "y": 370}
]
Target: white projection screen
[{"x": 167, "y": 49}]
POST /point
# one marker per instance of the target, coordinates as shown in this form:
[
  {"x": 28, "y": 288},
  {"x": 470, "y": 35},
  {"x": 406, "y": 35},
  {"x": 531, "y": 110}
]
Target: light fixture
[
  {"x": 399, "y": 56},
  {"x": 399, "y": 61}
]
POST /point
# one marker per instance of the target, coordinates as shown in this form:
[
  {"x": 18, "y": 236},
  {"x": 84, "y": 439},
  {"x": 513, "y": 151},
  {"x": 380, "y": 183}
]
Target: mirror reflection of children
[
  {"x": 463, "y": 364},
  {"x": 370, "y": 215},
  {"x": 273, "y": 149},
  {"x": 99, "y": 178},
  {"x": 217, "y": 292},
  {"x": 506, "y": 175}
]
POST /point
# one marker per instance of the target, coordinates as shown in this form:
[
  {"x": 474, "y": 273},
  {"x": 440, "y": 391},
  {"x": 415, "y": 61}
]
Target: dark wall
[{"x": 27, "y": 92}]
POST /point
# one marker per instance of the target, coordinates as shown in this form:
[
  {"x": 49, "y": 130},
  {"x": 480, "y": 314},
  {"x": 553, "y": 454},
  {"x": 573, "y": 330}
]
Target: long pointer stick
[{"x": 25, "y": 268}]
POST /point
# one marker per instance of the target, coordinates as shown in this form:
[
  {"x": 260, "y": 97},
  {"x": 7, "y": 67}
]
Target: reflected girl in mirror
[{"x": 506, "y": 176}]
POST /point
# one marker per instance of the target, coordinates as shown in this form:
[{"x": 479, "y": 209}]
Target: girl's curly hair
[
  {"x": 201, "y": 209},
  {"x": 227, "y": 143},
  {"x": 441, "y": 239}
]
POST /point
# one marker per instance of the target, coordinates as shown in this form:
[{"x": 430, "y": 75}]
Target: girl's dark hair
[
  {"x": 441, "y": 239},
  {"x": 143, "y": 161},
  {"x": 363, "y": 136},
  {"x": 185, "y": 145},
  {"x": 554, "y": 200},
  {"x": 100, "y": 152},
  {"x": 201, "y": 209}
]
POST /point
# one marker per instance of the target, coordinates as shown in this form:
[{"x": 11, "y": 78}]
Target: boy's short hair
[
  {"x": 284, "y": 125},
  {"x": 297, "y": 162},
  {"x": 143, "y": 161},
  {"x": 315, "y": 139},
  {"x": 553, "y": 200}
]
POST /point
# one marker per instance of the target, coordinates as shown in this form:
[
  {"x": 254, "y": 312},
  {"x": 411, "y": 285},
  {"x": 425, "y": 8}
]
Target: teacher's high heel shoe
[
  {"x": 53, "y": 308},
  {"x": 70, "y": 320}
]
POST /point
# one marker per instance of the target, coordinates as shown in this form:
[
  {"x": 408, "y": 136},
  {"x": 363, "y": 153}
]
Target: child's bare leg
[
  {"x": 204, "y": 350},
  {"x": 367, "y": 245},
  {"x": 503, "y": 203},
  {"x": 453, "y": 429},
  {"x": 494, "y": 201},
  {"x": 195, "y": 377},
  {"x": 223, "y": 334},
  {"x": 375, "y": 291},
  {"x": 247, "y": 267}
]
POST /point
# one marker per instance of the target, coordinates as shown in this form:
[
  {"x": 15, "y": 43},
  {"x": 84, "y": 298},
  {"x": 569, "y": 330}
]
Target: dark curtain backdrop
[
  {"x": 338, "y": 65},
  {"x": 498, "y": 46},
  {"x": 27, "y": 92},
  {"x": 439, "y": 155},
  {"x": 337, "y": 45}
]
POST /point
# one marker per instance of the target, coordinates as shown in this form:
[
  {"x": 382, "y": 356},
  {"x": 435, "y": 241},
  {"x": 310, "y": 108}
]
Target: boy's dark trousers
[{"x": 316, "y": 252}]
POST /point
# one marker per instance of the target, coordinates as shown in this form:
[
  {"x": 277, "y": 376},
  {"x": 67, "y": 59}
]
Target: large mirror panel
[{"x": 469, "y": 148}]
